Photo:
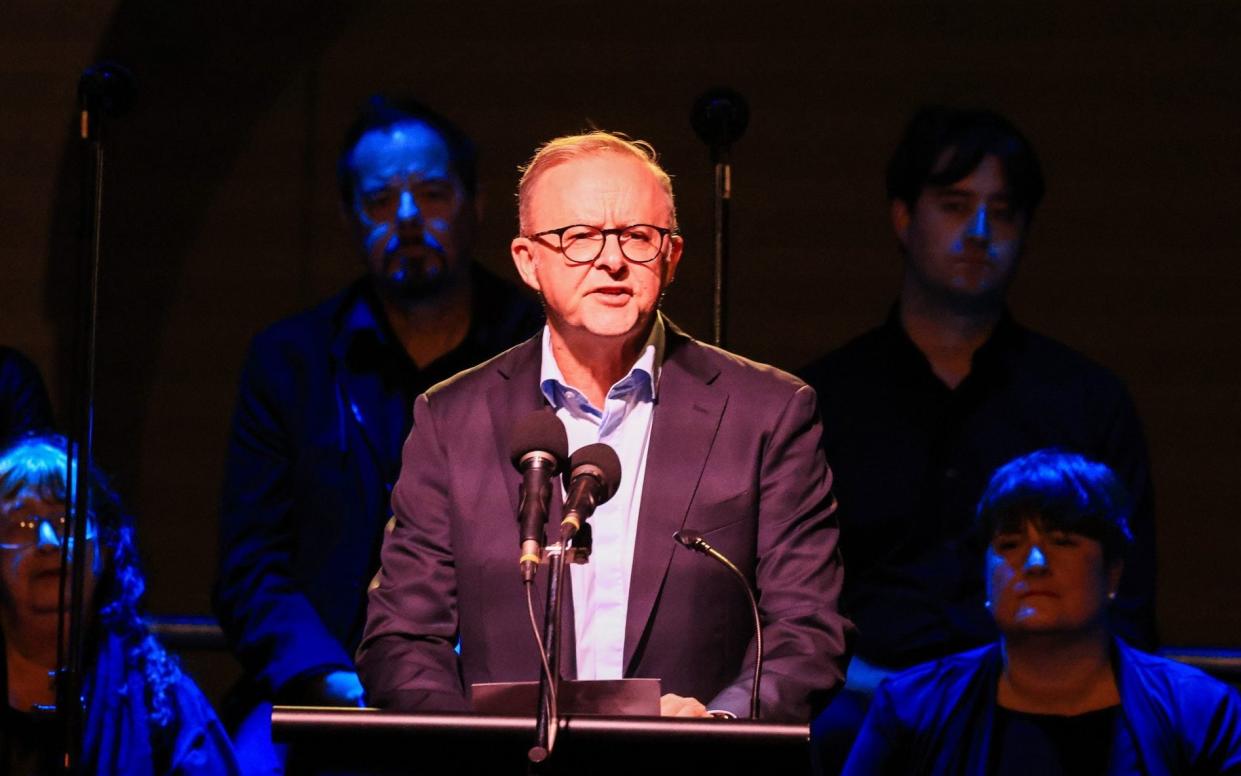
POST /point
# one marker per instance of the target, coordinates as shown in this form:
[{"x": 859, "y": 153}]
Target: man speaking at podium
[{"x": 707, "y": 441}]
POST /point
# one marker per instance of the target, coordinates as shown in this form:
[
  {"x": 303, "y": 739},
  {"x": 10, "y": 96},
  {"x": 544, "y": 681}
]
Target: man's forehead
[
  {"x": 405, "y": 147},
  {"x": 597, "y": 174},
  {"x": 988, "y": 167}
]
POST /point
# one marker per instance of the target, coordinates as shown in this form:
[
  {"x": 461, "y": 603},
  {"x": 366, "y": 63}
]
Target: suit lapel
[
  {"x": 511, "y": 399},
  {"x": 686, "y": 417},
  {"x": 508, "y": 401}
]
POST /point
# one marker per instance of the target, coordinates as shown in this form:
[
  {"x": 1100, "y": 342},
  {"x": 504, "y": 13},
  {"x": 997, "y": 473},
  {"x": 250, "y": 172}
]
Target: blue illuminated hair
[
  {"x": 967, "y": 136},
  {"x": 1059, "y": 490},
  {"x": 382, "y": 112},
  {"x": 34, "y": 465}
]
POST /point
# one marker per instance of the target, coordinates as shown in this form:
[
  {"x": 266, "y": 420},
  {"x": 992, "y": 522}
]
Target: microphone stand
[
  {"x": 549, "y": 681},
  {"x": 105, "y": 89},
  {"x": 719, "y": 118}
]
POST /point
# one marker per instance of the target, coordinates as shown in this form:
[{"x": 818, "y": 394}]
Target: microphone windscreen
[
  {"x": 540, "y": 430},
  {"x": 603, "y": 458},
  {"x": 719, "y": 116}
]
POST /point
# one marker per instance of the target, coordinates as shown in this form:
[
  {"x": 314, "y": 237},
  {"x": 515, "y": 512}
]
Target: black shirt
[
  {"x": 29, "y": 743},
  {"x": 911, "y": 457},
  {"x": 1052, "y": 745}
]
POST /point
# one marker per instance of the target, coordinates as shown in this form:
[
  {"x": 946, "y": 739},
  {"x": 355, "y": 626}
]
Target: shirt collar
[
  {"x": 643, "y": 376},
  {"x": 358, "y": 321},
  {"x": 987, "y": 362}
]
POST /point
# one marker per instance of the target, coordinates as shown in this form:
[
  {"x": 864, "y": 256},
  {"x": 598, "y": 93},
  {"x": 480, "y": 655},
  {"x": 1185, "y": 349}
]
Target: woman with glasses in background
[{"x": 142, "y": 714}]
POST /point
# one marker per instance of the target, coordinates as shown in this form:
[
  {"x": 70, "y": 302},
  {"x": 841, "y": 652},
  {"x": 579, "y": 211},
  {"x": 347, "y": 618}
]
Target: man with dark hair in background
[
  {"x": 919, "y": 411},
  {"x": 325, "y": 404}
]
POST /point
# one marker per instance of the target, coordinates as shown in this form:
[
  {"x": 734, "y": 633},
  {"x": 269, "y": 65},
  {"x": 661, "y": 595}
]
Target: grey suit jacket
[{"x": 734, "y": 453}]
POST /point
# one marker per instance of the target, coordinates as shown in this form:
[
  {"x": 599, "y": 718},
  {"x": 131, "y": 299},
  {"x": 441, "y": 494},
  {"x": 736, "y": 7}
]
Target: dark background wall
[{"x": 221, "y": 211}]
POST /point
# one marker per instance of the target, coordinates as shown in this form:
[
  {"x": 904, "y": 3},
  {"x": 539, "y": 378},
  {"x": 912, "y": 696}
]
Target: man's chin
[
  {"x": 618, "y": 324},
  {"x": 975, "y": 298},
  {"x": 412, "y": 290}
]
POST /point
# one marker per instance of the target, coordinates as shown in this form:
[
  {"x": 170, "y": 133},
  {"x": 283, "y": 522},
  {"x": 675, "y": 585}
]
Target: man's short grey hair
[{"x": 568, "y": 147}]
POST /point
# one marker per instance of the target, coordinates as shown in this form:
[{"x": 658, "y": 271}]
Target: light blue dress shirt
[{"x": 601, "y": 586}]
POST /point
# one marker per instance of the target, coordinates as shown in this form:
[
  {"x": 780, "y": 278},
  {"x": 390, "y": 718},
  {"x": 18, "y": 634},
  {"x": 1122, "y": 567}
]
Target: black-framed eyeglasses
[{"x": 582, "y": 244}]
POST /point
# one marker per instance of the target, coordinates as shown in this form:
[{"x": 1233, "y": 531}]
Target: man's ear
[
  {"x": 676, "y": 247},
  {"x": 522, "y": 249},
  {"x": 1115, "y": 570},
  {"x": 901, "y": 217}
]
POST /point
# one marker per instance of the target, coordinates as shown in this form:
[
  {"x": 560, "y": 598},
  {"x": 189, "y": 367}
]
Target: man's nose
[
  {"x": 979, "y": 227},
  {"x": 611, "y": 257},
  {"x": 1035, "y": 559},
  {"x": 407, "y": 208}
]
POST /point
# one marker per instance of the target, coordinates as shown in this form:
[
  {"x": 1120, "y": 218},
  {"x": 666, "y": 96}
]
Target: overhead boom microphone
[
  {"x": 719, "y": 118},
  {"x": 594, "y": 474},
  {"x": 694, "y": 541},
  {"x": 539, "y": 448}
]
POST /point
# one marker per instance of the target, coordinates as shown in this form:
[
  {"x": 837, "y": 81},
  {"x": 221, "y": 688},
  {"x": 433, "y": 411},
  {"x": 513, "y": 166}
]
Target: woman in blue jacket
[{"x": 1058, "y": 693}]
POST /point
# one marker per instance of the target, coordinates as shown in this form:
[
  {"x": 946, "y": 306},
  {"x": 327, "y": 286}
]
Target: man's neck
[
  {"x": 592, "y": 364},
  {"x": 1064, "y": 674},
  {"x": 433, "y": 327},
  {"x": 947, "y": 336}
]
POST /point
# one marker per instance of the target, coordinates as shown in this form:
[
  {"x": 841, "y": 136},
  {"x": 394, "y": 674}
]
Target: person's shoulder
[
  {"x": 725, "y": 368},
  {"x": 506, "y": 312},
  {"x": 931, "y": 685},
  {"x": 849, "y": 361},
  {"x": 1181, "y": 682},
  {"x": 13, "y": 361},
  {"x": 467, "y": 384},
  {"x": 1054, "y": 359},
  {"x": 313, "y": 324}
]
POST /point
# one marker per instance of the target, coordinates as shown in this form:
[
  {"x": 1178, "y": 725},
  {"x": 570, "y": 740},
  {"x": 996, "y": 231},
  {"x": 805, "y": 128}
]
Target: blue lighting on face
[
  {"x": 979, "y": 229},
  {"x": 409, "y": 205}
]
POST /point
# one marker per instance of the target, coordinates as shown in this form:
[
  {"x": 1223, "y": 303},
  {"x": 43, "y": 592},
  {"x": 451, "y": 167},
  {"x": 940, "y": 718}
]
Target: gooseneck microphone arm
[{"x": 694, "y": 541}]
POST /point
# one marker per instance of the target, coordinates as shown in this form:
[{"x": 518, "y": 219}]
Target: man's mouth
[
  {"x": 418, "y": 259},
  {"x": 613, "y": 290}
]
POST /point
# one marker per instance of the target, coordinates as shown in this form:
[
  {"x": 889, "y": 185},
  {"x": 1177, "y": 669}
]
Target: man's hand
[
  {"x": 675, "y": 706},
  {"x": 865, "y": 677},
  {"x": 338, "y": 688}
]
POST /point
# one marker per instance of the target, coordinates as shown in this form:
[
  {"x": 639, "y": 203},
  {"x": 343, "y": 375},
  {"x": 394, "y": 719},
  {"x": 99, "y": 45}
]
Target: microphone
[
  {"x": 538, "y": 448},
  {"x": 594, "y": 473},
  {"x": 719, "y": 118},
  {"x": 695, "y": 541}
]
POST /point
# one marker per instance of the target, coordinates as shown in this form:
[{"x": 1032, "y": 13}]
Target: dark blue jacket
[
  {"x": 324, "y": 407},
  {"x": 938, "y": 718}
]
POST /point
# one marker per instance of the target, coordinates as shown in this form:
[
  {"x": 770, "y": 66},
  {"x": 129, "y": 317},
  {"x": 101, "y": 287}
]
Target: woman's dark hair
[
  {"x": 35, "y": 466},
  {"x": 1059, "y": 490},
  {"x": 967, "y": 136},
  {"x": 381, "y": 112}
]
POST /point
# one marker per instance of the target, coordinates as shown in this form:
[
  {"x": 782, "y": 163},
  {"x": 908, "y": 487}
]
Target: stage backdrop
[{"x": 221, "y": 211}]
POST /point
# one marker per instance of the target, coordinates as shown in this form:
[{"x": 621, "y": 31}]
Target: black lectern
[{"x": 368, "y": 741}]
